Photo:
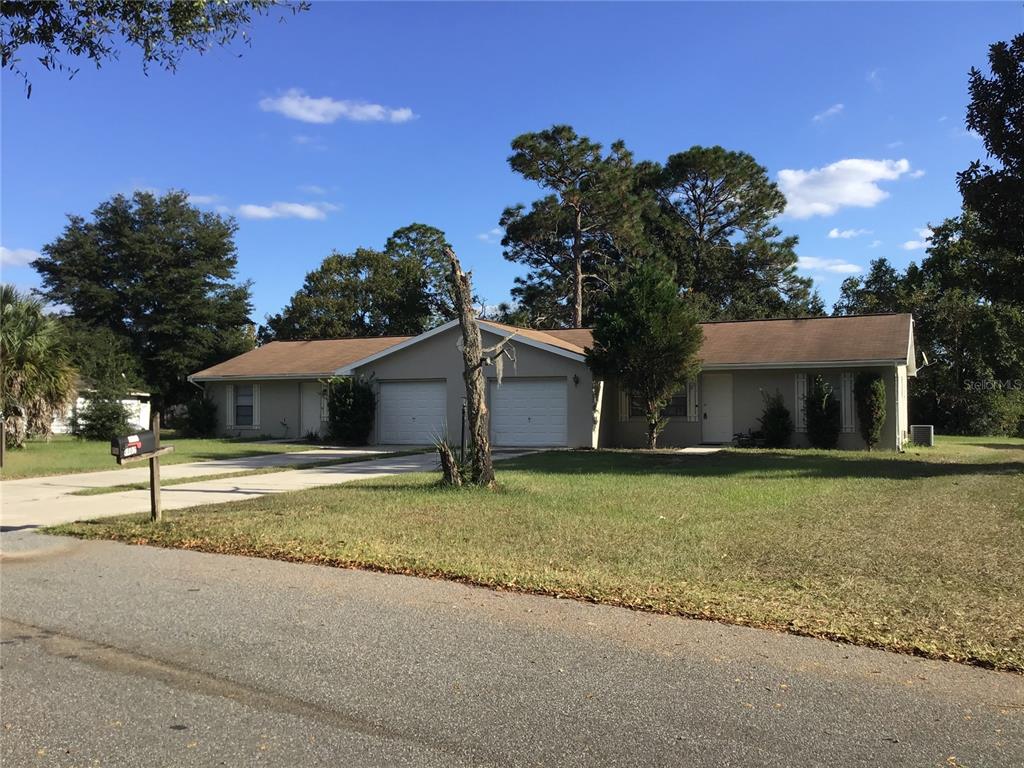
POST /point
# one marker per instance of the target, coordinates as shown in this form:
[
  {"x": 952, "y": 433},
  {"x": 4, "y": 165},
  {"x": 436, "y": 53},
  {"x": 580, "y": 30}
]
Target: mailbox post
[
  {"x": 156, "y": 514},
  {"x": 144, "y": 446}
]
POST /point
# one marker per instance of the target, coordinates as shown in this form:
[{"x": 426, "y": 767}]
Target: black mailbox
[{"x": 133, "y": 445}]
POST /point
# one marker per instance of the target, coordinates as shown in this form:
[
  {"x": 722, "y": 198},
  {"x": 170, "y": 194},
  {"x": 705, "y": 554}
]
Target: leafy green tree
[
  {"x": 574, "y": 240},
  {"x": 970, "y": 331},
  {"x": 715, "y": 221},
  {"x": 37, "y": 379},
  {"x": 104, "y": 359},
  {"x": 822, "y": 412},
  {"x": 402, "y": 290},
  {"x": 647, "y": 338},
  {"x": 425, "y": 245},
  {"x": 884, "y": 289},
  {"x": 995, "y": 192},
  {"x": 869, "y": 396},
  {"x": 96, "y": 29},
  {"x": 159, "y": 273}
]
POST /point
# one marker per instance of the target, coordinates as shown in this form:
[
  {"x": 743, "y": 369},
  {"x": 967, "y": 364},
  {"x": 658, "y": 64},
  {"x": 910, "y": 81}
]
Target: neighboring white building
[{"x": 136, "y": 403}]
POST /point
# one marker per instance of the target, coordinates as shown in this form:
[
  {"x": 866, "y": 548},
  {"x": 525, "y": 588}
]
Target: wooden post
[
  {"x": 3, "y": 441},
  {"x": 155, "y": 513}
]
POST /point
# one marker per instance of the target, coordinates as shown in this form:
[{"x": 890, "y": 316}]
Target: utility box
[
  {"x": 922, "y": 434},
  {"x": 131, "y": 446}
]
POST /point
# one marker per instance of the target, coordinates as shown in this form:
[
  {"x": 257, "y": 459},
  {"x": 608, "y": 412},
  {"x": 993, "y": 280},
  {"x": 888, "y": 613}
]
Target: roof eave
[{"x": 802, "y": 364}]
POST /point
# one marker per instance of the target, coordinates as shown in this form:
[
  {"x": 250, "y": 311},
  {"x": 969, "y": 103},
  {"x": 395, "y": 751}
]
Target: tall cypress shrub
[{"x": 869, "y": 395}]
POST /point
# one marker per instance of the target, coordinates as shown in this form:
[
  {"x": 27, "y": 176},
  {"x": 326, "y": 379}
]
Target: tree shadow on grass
[{"x": 764, "y": 465}]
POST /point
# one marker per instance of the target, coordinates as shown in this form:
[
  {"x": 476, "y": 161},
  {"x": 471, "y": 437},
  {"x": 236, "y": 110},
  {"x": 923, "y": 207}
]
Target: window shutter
[
  {"x": 324, "y": 416},
  {"x": 692, "y": 410},
  {"x": 231, "y": 405},
  {"x": 800, "y": 415},
  {"x": 255, "y": 405},
  {"x": 846, "y": 393}
]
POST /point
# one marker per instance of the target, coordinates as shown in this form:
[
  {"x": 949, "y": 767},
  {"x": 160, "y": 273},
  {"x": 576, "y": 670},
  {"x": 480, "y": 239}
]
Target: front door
[
  {"x": 311, "y": 392},
  {"x": 716, "y": 408}
]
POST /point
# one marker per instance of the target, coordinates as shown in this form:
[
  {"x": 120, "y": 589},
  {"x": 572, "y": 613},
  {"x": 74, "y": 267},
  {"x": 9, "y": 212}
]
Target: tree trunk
[
  {"x": 652, "y": 436},
  {"x": 481, "y": 468},
  {"x": 577, "y": 273}
]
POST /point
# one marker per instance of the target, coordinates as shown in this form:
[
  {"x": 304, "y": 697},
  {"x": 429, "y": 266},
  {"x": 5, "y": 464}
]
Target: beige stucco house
[{"x": 549, "y": 397}]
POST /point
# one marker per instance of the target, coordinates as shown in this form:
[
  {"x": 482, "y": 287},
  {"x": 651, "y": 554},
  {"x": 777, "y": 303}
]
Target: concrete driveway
[
  {"x": 48, "y": 500},
  {"x": 121, "y": 655}
]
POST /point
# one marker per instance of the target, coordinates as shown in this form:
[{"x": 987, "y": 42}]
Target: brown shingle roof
[
  {"x": 806, "y": 340},
  {"x": 748, "y": 342},
  {"x": 551, "y": 338},
  {"x": 299, "y": 358}
]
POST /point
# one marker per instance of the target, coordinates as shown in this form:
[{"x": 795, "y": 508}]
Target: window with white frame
[{"x": 244, "y": 405}]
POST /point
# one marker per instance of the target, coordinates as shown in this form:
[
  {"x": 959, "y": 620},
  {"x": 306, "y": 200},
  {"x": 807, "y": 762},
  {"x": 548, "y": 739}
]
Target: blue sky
[{"x": 347, "y": 122}]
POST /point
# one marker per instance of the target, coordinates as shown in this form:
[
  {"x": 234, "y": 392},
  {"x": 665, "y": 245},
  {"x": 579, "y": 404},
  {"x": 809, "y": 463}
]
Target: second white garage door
[
  {"x": 411, "y": 412},
  {"x": 528, "y": 412}
]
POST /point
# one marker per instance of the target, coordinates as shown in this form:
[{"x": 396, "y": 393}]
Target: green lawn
[
  {"x": 65, "y": 455},
  {"x": 922, "y": 552}
]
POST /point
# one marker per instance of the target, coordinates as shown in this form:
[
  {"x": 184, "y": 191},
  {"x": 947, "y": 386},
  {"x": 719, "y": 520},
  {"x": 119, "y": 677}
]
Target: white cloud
[
  {"x": 846, "y": 234},
  {"x": 312, "y": 189},
  {"x": 850, "y": 182},
  {"x": 924, "y": 237},
  {"x": 875, "y": 243},
  {"x": 943, "y": 119},
  {"x": 875, "y": 78},
  {"x": 917, "y": 174},
  {"x": 17, "y": 257},
  {"x": 295, "y": 104},
  {"x": 203, "y": 199},
  {"x": 814, "y": 264},
  {"x": 832, "y": 111},
  {"x": 894, "y": 144},
  {"x": 491, "y": 235},
  {"x": 278, "y": 210}
]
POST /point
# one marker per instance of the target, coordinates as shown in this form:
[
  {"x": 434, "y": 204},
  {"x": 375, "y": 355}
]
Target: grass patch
[
  {"x": 103, "y": 490},
  {"x": 63, "y": 455},
  {"x": 920, "y": 553}
]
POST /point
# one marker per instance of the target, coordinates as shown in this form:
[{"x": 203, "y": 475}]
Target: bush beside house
[
  {"x": 351, "y": 405},
  {"x": 776, "y": 422},
  {"x": 824, "y": 420}
]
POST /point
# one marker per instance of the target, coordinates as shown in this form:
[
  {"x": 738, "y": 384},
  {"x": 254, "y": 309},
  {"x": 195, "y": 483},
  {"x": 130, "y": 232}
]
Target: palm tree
[{"x": 37, "y": 380}]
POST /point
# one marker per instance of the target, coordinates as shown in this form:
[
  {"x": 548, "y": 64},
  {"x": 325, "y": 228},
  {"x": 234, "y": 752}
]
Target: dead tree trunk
[{"x": 481, "y": 468}]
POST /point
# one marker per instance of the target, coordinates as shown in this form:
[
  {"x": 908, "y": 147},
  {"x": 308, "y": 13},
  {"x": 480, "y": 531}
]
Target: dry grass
[{"x": 921, "y": 553}]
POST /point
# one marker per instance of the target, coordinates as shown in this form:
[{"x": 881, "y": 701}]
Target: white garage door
[
  {"x": 411, "y": 412},
  {"x": 528, "y": 412}
]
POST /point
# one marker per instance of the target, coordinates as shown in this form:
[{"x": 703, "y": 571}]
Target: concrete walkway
[
  {"x": 48, "y": 500},
  {"x": 136, "y": 656}
]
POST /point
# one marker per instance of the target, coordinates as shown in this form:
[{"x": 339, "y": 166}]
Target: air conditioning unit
[{"x": 922, "y": 434}]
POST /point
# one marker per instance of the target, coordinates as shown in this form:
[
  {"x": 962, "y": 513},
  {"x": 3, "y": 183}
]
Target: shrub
[
  {"x": 823, "y": 415},
  {"x": 869, "y": 395},
  {"x": 351, "y": 405},
  {"x": 199, "y": 418},
  {"x": 102, "y": 418},
  {"x": 776, "y": 423}
]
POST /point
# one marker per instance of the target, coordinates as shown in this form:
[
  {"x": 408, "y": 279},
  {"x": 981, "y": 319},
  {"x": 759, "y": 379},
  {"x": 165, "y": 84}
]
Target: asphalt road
[{"x": 117, "y": 655}]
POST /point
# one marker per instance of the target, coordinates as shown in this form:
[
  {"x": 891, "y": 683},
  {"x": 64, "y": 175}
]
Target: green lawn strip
[
  {"x": 244, "y": 473},
  {"x": 64, "y": 455},
  {"x": 921, "y": 553}
]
